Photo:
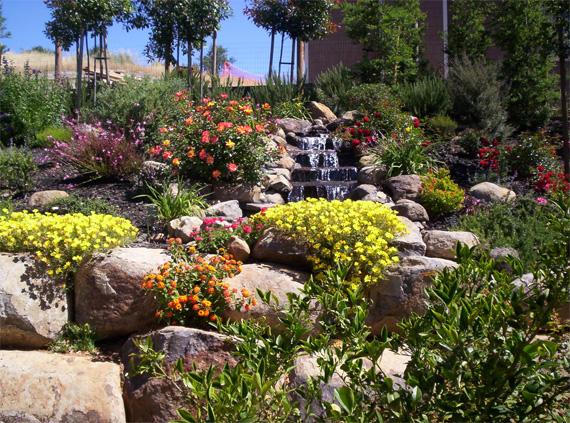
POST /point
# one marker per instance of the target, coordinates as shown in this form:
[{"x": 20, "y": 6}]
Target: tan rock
[
  {"x": 238, "y": 248},
  {"x": 43, "y": 198},
  {"x": 443, "y": 244},
  {"x": 321, "y": 111}
]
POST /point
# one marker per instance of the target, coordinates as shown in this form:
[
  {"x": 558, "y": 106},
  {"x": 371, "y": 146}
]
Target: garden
[{"x": 381, "y": 244}]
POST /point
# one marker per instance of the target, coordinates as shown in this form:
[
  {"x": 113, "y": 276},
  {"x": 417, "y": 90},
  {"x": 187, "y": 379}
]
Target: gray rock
[
  {"x": 412, "y": 210},
  {"x": 286, "y": 162},
  {"x": 257, "y": 207},
  {"x": 365, "y": 161},
  {"x": 244, "y": 193},
  {"x": 228, "y": 209},
  {"x": 44, "y": 198},
  {"x": 443, "y": 244},
  {"x": 108, "y": 292},
  {"x": 279, "y": 171},
  {"x": 372, "y": 175},
  {"x": 352, "y": 115},
  {"x": 277, "y": 183},
  {"x": 401, "y": 291},
  {"x": 33, "y": 309},
  {"x": 277, "y": 248},
  {"x": 297, "y": 126},
  {"x": 274, "y": 198},
  {"x": 238, "y": 248},
  {"x": 500, "y": 254},
  {"x": 149, "y": 399},
  {"x": 183, "y": 227},
  {"x": 488, "y": 191},
  {"x": 379, "y": 197},
  {"x": 411, "y": 243},
  {"x": 279, "y": 280},
  {"x": 39, "y": 386},
  {"x": 320, "y": 111},
  {"x": 362, "y": 191},
  {"x": 404, "y": 186},
  {"x": 278, "y": 140},
  {"x": 280, "y": 132}
]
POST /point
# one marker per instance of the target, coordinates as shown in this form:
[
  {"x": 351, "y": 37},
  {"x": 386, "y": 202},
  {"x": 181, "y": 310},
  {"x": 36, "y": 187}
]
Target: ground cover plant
[
  {"x": 439, "y": 194},
  {"x": 16, "y": 169},
  {"x": 76, "y": 204}
]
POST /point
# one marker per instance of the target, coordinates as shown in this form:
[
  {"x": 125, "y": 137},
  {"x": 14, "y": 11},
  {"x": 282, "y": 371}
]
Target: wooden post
[
  {"x": 104, "y": 45},
  {"x": 271, "y": 50},
  {"x": 58, "y": 55},
  {"x": 300, "y": 61},
  {"x": 201, "y": 68},
  {"x": 214, "y": 54},
  {"x": 79, "y": 73},
  {"x": 292, "y": 60}
]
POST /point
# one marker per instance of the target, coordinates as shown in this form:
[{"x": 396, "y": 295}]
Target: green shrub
[
  {"x": 372, "y": 98},
  {"x": 470, "y": 142},
  {"x": 439, "y": 194},
  {"x": 6, "y": 206},
  {"x": 16, "y": 169},
  {"x": 46, "y": 136},
  {"x": 276, "y": 91},
  {"x": 442, "y": 126},
  {"x": 86, "y": 206},
  {"x": 173, "y": 203},
  {"x": 477, "y": 96},
  {"x": 523, "y": 225},
  {"x": 29, "y": 104},
  {"x": 74, "y": 337},
  {"x": 291, "y": 109},
  {"x": 425, "y": 97},
  {"x": 530, "y": 151},
  {"x": 333, "y": 86}
]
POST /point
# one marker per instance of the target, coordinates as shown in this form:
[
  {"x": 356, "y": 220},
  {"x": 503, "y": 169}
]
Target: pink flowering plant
[
  {"x": 99, "y": 151},
  {"x": 215, "y": 233},
  {"x": 216, "y": 140}
]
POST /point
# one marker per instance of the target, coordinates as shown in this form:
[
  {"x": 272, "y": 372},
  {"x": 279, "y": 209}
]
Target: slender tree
[
  {"x": 468, "y": 34},
  {"x": 4, "y": 33}
]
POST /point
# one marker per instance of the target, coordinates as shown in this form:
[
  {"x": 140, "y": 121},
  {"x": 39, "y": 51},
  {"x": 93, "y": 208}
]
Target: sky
[{"x": 246, "y": 43}]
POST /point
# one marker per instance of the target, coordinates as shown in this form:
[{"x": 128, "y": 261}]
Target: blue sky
[{"x": 248, "y": 44}]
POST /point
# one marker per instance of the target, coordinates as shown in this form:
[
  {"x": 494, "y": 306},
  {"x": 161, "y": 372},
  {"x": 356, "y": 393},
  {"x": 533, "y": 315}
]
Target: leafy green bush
[
  {"x": 523, "y": 225},
  {"x": 333, "y": 86},
  {"x": 46, "y": 136},
  {"x": 16, "y": 169},
  {"x": 477, "y": 94},
  {"x": 74, "y": 337},
  {"x": 30, "y": 103},
  {"x": 372, "y": 98},
  {"x": 530, "y": 151},
  {"x": 276, "y": 91},
  {"x": 76, "y": 204},
  {"x": 291, "y": 109},
  {"x": 442, "y": 126},
  {"x": 173, "y": 203},
  {"x": 426, "y": 97},
  {"x": 439, "y": 194}
]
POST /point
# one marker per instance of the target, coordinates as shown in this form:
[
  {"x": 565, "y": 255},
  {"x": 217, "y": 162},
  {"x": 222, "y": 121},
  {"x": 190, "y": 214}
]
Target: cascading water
[{"x": 320, "y": 173}]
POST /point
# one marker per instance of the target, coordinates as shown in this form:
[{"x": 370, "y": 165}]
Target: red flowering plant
[
  {"x": 550, "y": 182},
  {"x": 190, "y": 289},
  {"x": 216, "y": 139},
  {"x": 216, "y": 232},
  {"x": 493, "y": 157}
]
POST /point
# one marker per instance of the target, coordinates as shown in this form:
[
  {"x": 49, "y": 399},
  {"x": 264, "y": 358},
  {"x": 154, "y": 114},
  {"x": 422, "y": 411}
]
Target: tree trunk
[
  {"x": 300, "y": 61},
  {"x": 271, "y": 50},
  {"x": 562, "y": 56},
  {"x": 58, "y": 55},
  {"x": 189, "y": 81},
  {"x": 202, "y": 69},
  {"x": 292, "y": 69},
  {"x": 79, "y": 74},
  {"x": 214, "y": 54}
]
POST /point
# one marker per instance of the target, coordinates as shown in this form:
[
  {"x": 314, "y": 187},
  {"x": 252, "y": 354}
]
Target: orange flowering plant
[
  {"x": 190, "y": 288},
  {"x": 216, "y": 139}
]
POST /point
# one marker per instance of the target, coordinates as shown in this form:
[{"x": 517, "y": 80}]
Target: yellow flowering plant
[
  {"x": 354, "y": 233},
  {"x": 62, "y": 242}
]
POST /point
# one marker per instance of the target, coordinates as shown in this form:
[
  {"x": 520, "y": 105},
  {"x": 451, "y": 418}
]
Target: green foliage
[
  {"x": 292, "y": 109},
  {"x": 372, "y": 98},
  {"x": 276, "y": 91},
  {"x": 222, "y": 56},
  {"x": 425, "y": 97},
  {"x": 393, "y": 31},
  {"x": 45, "y": 137},
  {"x": 477, "y": 94},
  {"x": 309, "y": 20},
  {"x": 6, "y": 206},
  {"x": 4, "y": 33},
  {"x": 16, "y": 169},
  {"x": 32, "y": 103},
  {"x": 333, "y": 86},
  {"x": 530, "y": 151},
  {"x": 523, "y": 225},
  {"x": 467, "y": 34},
  {"x": 172, "y": 203},
  {"x": 439, "y": 194},
  {"x": 442, "y": 126},
  {"x": 74, "y": 337},
  {"x": 522, "y": 29},
  {"x": 83, "y": 205}
]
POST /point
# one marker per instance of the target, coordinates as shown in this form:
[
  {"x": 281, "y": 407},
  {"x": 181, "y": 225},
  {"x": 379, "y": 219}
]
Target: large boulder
[
  {"x": 298, "y": 126},
  {"x": 275, "y": 247},
  {"x": 277, "y": 183},
  {"x": 108, "y": 293},
  {"x": 320, "y": 111},
  {"x": 229, "y": 209},
  {"x": 404, "y": 186},
  {"x": 410, "y": 243},
  {"x": 33, "y": 309},
  {"x": 412, "y": 210},
  {"x": 244, "y": 193},
  {"x": 488, "y": 191},
  {"x": 43, "y": 198},
  {"x": 372, "y": 175},
  {"x": 183, "y": 227},
  {"x": 401, "y": 291},
  {"x": 39, "y": 386},
  {"x": 151, "y": 399},
  {"x": 443, "y": 244},
  {"x": 362, "y": 191},
  {"x": 279, "y": 280},
  {"x": 238, "y": 248}
]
